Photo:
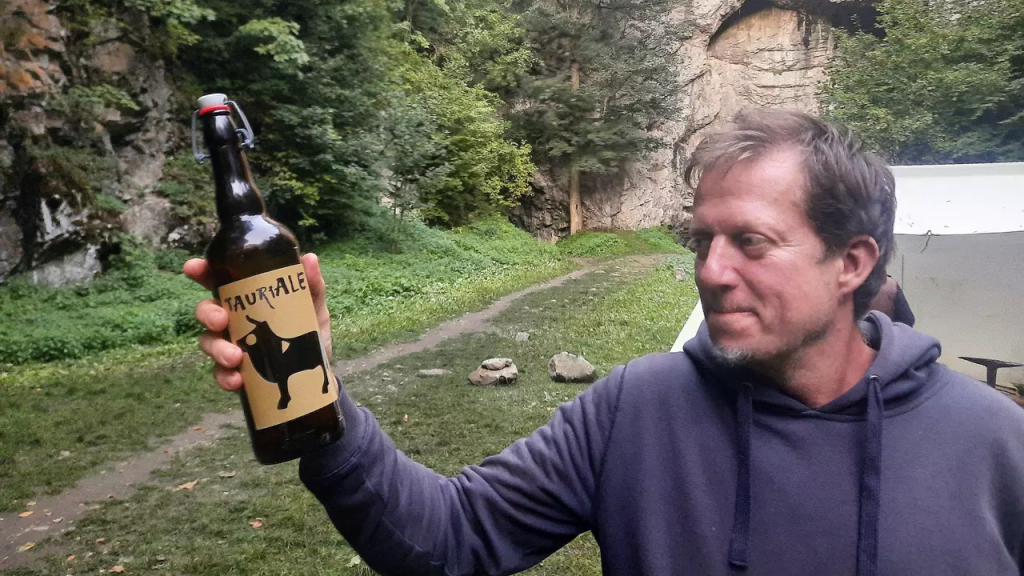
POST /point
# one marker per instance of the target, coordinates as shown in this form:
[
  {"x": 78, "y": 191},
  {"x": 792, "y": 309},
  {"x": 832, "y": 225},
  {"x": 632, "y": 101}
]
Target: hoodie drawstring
[
  {"x": 739, "y": 543},
  {"x": 870, "y": 481}
]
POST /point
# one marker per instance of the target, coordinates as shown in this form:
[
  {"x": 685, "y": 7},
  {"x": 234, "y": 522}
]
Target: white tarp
[
  {"x": 960, "y": 198},
  {"x": 960, "y": 260}
]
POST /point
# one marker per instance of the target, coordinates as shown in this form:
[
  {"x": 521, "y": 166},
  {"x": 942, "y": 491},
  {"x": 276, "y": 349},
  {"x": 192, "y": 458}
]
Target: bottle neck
[{"x": 236, "y": 192}]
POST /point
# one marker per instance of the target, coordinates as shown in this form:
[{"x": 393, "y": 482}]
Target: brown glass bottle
[{"x": 290, "y": 397}]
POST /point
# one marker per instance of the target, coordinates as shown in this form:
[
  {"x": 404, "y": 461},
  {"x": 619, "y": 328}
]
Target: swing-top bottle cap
[{"x": 212, "y": 100}]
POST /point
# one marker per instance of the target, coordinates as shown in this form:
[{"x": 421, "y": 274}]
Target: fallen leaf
[
  {"x": 227, "y": 474},
  {"x": 117, "y": 569},
  {"x": 199, "y": 429},
  {"x": 187, "y": 485},
  {"x": 25, "y": 514},
  {"x": 47, "y": 512},
  {"x": 355, "y": 561},
  {"x": 31, "y": 503},
  {"x": 110, "y": 496},
  {"x": 64, "y": 454},
  {"x": 26, "y": 546},
  {"x": 58, "y": 520},
  {"x": 256, "y": 523},
  {"x": 101, "y": 540},
  {"x": 70, "y": 558}
]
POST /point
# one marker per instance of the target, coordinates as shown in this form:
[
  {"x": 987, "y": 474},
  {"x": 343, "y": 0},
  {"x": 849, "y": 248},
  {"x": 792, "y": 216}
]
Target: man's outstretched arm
[{"x": 499, "y": 517}]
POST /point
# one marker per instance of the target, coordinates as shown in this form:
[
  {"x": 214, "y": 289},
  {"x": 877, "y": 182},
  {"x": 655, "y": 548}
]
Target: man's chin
[{"x": 732, "y": 355}]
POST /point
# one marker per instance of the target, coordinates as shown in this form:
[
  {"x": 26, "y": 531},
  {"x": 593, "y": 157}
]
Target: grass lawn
[
  {"x": 627, "y": 310},
  {"x": 122, "y": 384}
]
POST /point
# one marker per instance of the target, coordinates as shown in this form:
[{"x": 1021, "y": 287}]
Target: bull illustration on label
[{"x": 277, "y": 359}]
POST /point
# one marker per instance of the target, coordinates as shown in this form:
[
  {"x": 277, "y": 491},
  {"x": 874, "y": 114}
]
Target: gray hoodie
[{"x": 680, "y": 465}]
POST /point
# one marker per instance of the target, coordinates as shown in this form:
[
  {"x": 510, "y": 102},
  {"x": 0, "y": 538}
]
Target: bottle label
[{"x": 284, "y": 366}]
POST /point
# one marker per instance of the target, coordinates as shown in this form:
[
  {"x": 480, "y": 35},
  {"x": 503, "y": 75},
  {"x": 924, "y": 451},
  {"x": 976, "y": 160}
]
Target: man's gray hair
[{"x": 852, "y": 192}]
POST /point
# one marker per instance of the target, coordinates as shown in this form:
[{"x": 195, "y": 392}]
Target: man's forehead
[{"x": 769, "y": 187}]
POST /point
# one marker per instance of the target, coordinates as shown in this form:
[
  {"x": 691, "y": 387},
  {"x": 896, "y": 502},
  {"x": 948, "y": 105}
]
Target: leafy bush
[
  {"x": 606, "y": 244},
  {"x": 942, "y": 85}
]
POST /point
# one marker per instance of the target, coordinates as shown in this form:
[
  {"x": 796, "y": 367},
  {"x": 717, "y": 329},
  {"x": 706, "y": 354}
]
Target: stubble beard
[{"x": 769, "y": 361}]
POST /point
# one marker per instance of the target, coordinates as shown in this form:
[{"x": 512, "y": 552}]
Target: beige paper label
[{"x": 284, "y": 368}]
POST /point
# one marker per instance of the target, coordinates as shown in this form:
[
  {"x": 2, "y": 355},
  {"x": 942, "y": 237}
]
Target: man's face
[{"x": 766, "y": 288}]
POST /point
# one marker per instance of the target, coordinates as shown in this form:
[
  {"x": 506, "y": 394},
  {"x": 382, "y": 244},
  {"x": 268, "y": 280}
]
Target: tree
[
  {"x": 944, "y": 84},
  {"x": 351, "y": 106},
  {"x": 605, "y": 76}
]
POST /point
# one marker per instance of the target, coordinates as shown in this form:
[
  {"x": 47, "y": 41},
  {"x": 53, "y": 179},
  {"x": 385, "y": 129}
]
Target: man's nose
[{"x": 718, "y": 268}]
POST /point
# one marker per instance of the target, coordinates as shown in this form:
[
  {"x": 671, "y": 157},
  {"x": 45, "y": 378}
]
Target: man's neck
[{"x": 827, "y": 369}]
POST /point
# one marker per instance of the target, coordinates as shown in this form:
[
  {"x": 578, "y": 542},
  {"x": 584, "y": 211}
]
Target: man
[
  {"x": 787, "y": 439},
  {"x": 891, "y": 301}
]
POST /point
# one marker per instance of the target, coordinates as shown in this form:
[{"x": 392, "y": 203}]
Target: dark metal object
[{"x": 991, "y": 366}]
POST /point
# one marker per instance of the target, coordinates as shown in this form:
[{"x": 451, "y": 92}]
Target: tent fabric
[{"x": 959, "y": 198}]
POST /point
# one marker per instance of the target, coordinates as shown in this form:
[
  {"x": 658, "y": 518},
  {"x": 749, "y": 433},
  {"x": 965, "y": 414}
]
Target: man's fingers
[
  {"x": 212, "y": 315},
  {"x": 198, "y": 270},
  {"x": 316, "y": 279},
  {"x": 227, "y": 378},
  {"x": 223, "y": 352}
]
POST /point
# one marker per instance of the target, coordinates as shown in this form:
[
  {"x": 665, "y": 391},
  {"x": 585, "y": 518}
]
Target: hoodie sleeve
[{"x": 499, "y": 517}]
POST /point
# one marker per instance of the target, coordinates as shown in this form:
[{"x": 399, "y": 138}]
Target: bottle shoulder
[{"x": 250, "y": 245}]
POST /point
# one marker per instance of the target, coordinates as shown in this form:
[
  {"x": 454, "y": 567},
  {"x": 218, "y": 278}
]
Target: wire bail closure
[{"x": 245, "y": 133}]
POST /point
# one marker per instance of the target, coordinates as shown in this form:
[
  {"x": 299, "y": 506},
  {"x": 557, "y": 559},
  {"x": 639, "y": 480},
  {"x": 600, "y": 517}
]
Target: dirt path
[{"x": 56, "y": 514}]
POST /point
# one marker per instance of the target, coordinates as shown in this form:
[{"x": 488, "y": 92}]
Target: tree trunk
[{"x": 575, "y": 208}]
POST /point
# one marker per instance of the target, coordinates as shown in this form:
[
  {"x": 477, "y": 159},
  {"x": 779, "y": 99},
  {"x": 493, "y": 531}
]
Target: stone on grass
[
  {"x": 566, "y": 367},
  {"x": 495, "y": 372},
  {"x": 522, "y": 336},
  {"x": 496, "y": 363},
  {"x": 433, "y": 372}
]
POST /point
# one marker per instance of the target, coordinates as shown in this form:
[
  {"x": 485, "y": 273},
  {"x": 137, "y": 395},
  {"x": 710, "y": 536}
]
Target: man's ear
[{"x": 859, "y": 260}]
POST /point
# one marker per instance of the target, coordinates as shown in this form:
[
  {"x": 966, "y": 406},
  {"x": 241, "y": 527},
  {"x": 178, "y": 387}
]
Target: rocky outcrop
[
  {"x": 740, "y": 54},
  {"x": 70, "y": 181}
]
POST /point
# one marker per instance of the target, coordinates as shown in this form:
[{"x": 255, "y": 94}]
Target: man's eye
[
  {"x": 697, "y": 245},
  {"x": 752, "y": 241}
]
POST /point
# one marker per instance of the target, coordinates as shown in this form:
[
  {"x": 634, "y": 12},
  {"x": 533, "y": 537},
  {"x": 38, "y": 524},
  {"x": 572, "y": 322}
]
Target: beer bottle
[{"x": 289, "y": 396}]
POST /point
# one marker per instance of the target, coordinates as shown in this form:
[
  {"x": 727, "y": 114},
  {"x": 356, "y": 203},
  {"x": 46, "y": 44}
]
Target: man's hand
[{"x": 214, "y": 318}]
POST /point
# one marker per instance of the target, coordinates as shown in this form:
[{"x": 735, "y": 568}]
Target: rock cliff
[{"x": 752, "y": 53}]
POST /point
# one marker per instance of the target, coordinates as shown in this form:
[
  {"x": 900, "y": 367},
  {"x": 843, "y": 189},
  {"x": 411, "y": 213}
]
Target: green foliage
[
  {"x": 187, "y": 184},
  {"x": 109, "y": 203},
  {"x": 475, "y": 169},
  {"x": 74, "y": 173},
  {"x": 85, "y": 102},
  {"x": 282, "y": 42},
  {"x": 657, "y": 240},
  {"x": 171, "y": 259},
  {"x": 132, "y": 304},
  {"x": 347, "y": 111},
  {"x": 177, "y": 17},
  {"x": 945, "y": 84},
  {"x": 626, "y": 53}
]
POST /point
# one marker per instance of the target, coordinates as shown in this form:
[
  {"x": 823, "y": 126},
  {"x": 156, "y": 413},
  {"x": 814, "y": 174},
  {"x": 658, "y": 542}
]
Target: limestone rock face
[
  {"x": 756, "y": 53},
  {"x": 59, "y": 224},
  {"x": 80, "y": 266},
  {"x": 149, "y": 219}
]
